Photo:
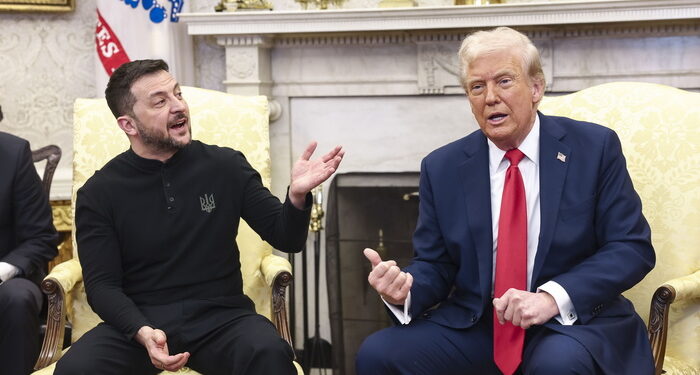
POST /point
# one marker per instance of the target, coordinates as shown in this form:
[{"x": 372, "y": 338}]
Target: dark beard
[{"x": 159, "y": 142}]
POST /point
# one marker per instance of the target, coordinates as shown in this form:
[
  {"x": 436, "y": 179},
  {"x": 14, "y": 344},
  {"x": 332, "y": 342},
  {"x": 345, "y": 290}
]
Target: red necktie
[{"x": 511, "y": 263}]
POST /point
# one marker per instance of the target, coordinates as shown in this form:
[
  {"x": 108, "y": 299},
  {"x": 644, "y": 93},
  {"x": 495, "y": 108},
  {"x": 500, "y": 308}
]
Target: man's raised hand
[
  {"x": 388, "y": 279},
  {"x": 307, "y": 173}
]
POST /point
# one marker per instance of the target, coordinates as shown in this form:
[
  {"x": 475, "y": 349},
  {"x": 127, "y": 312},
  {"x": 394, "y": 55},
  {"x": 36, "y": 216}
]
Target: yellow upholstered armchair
[
  {"x": 217, "y": 118},
  {"x": 659, "y": 128}
]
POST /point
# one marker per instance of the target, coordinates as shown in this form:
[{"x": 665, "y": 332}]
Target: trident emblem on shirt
[{"x": 207, "y": 202}]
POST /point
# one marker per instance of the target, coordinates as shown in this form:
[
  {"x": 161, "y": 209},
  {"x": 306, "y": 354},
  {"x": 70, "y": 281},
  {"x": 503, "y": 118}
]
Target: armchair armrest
[
  {"x": 679, "y": 289},
  {"x": 272, "y": 265},
  {"x": 686, "y": 287},
  {"x": 56, "y": 285},
  {"x": 277, "y": 272},
  {"x": 67, "y": 274}
]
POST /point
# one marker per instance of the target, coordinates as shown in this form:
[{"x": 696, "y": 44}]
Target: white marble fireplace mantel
[{"x": 569, "y": 30}]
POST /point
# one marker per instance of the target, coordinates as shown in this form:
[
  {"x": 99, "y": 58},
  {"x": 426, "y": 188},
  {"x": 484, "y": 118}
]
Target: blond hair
[{"x": 500, "y": 39}]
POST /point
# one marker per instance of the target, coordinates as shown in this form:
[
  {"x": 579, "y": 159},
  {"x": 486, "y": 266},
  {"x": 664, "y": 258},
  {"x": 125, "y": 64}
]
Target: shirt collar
[
  {"x": 530, "y": 147},
  {"x": 153, "y": 164}
]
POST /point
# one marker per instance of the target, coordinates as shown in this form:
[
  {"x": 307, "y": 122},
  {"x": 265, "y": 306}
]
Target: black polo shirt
[{"x": 152, "y": 233}]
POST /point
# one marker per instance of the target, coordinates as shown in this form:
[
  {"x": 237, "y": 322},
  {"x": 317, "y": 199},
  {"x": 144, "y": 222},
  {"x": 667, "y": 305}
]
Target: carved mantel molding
[{"x": 438, "y": 18}]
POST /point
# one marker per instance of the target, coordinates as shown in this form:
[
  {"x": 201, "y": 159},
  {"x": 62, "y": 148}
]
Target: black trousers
[
  {"x": 222, "y": 338},
  {"x": 20, "y": 305}
]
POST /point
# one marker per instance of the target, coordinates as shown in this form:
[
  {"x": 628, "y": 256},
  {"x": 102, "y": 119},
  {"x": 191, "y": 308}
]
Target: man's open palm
[{"x": 307, "y": 173}]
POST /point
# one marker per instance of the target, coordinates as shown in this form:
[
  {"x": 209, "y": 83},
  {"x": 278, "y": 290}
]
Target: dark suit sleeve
[
  {"x": 102, "y": 265},
  {"x": 433, "y": 269},
  {"x": 624, "y": 252},
  {"x": 282, "y": 225},
  {"x": 35, "y": 234}
]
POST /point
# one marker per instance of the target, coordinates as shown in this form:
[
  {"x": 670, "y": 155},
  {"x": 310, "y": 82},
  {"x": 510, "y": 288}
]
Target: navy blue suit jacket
[
  {"x": 27, "y": 235},
  {"x": 594, "y": 240}
]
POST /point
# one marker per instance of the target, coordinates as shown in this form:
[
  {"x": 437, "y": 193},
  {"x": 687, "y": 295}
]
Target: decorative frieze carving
[
  {"x": 689, "y": 28},
  {"x": 544, "y": 46},
  {"x": 244, "y": 40},
  {"x": 240, "y": 63},
  {"x": 342, "y": 40},
  {"x": 248, "y": 68},
  {"x": 438, "y": 67},
  {"x": 247, "y": 64}
]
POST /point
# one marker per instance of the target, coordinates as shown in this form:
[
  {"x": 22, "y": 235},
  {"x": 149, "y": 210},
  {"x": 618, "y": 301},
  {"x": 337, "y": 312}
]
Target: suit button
[
  {"x": 426, "y": 315},
  {"x": 474, "y": 318}
]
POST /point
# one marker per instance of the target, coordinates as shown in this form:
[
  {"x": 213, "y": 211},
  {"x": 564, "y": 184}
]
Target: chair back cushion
[
  {"x": 238, "y": 122},
  {"x": 659, "y": 127}
]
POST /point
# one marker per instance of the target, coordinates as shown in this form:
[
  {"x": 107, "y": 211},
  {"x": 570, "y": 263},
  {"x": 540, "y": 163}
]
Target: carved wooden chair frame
[
  {"x": 657, "y": 328},
  {"x": 52, "y": 155}
]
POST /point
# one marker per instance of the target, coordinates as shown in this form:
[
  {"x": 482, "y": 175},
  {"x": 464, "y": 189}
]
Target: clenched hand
[{"x": 525, "y": 309}]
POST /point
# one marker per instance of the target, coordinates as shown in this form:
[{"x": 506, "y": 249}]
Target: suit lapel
[
  {"x": 552, "y": 177},
  {"x": 476, "y": 186}
]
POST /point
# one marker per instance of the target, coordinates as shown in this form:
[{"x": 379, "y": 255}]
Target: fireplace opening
[{"x": 375, "y": 210}]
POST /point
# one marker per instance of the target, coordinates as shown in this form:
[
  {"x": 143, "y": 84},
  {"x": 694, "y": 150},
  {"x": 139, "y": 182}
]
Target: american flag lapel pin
[{"x": 561, "y": 157}]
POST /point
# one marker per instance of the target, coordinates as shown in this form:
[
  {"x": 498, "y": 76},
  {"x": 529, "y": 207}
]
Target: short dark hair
[{"x": 118, "y": 93}]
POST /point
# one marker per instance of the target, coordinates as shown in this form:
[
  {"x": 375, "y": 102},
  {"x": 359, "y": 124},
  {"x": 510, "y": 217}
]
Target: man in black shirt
[{"x": 156, "y": 229}]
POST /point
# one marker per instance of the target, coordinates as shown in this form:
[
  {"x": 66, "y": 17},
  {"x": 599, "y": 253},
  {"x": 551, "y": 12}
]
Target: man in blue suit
[{"x": 556, "y": 189}]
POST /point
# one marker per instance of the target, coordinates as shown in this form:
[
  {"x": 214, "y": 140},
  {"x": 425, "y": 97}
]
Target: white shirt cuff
[
  {"x": 567, "y": 313},
  {"x": 401, "y": 315},
  {"x": 7, "y": 271}
]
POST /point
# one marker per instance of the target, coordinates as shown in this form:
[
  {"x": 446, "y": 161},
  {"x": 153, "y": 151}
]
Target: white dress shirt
[
  {"x": 7, "y": 271},
  {"x": 529, "y": 169}
]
